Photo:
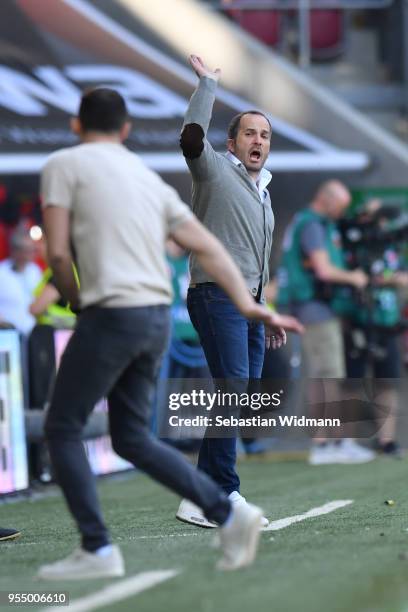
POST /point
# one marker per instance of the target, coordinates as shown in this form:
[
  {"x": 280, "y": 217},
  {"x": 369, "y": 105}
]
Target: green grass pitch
[{"x": 350, "y": 560}]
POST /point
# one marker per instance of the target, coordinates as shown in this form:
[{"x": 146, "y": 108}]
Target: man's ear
[
  {"x": 231, "y": 145},
  {"x": 125, "y": 131},
  {"x": 76, "y": 126}
]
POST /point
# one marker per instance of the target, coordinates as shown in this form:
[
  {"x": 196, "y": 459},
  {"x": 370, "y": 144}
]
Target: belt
[
  {"x": 256, "y": 291},
  {"x": 195, "y": 285}
]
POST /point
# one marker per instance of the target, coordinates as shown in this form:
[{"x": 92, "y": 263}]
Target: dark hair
[
  {"x": 102, "y": 110},
  {"x": 235, "y": 121}
]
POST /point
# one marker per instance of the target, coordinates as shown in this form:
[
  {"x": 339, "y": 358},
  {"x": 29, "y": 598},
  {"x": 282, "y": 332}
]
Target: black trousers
[{"x": 116, "y": 353}]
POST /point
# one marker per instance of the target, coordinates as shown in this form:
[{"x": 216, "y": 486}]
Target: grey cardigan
[{"x": 225, "y": 198}]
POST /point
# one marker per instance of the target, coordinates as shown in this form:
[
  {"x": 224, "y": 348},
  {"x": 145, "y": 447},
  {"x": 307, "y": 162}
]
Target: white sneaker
[
  {"x": 347, "y": 451},
  {"x": 190, "y": 513},
  {"x": 237, "y": 499},
  {"x": 239, "y": 538},
  {"x": 82, "y": 564},
  {"x": 323, "y": 454},
  {"x": 351, "y": 452}
]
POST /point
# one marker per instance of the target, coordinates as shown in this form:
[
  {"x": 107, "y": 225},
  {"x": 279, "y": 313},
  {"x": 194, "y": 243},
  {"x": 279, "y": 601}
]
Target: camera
[
  {"x": 375, "y": 227},
  {"x": 374, "y": 240}
]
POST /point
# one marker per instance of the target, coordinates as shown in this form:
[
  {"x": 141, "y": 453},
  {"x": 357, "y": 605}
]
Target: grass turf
[{"x": 348, "y": 560}]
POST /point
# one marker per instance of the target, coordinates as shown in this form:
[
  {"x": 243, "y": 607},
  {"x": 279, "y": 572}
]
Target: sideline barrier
[{"x": 13, "y": 451}]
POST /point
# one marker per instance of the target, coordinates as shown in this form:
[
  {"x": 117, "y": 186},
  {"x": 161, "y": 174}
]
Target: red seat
[
  {"x": 327, "y": 29},
  {"x": 264, "y": 25},
  {"x": 4, "y": 241}
]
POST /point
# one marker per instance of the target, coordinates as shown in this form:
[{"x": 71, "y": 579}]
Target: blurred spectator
[
  {"x": 372, "y": 334},
  {"x": 182, "y": 328},
  {"x": 48, "y": 307},
  {"x": 276, "y": 363},
  {"x": 311, "y": 269},
  {"x": 51, "y": 312},
  {"x": 19, "y": 276}
]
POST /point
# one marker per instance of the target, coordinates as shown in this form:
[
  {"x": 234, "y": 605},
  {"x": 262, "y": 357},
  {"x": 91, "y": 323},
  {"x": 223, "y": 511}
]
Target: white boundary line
[
  {"x": 166, "y": 535},
  {"x": 116, "y": 592},
  {"x": 162, "y": 536},
  {"x": 274, "y": 525},
  {"x": 325, "y": 509}
]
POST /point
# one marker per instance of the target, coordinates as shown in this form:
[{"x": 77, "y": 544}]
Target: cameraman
[
  {"x": 312, "y": 267},
  {"x": 371, "y": 338}
]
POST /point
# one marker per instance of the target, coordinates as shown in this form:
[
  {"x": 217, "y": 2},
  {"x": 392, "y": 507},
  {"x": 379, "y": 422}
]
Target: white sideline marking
[
  {"x": 116, "y": 592},
  {"x": 273, "y": 526},
  {"x": 325, "y": 509},
  {"x": 10, "y": 544},
  {"x": 165, "y": 535}
]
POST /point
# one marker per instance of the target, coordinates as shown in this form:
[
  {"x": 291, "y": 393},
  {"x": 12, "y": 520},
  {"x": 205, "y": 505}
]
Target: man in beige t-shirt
[{"x": 117, "y": 214}]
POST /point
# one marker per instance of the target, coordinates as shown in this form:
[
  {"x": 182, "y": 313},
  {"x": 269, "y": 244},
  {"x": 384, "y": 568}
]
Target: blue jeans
[{"x": 234, "y": 348}]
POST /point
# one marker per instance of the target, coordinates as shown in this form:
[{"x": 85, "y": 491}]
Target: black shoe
[
  {"x": 9, "y": 534},
  {"x": 391, "y": 449}
]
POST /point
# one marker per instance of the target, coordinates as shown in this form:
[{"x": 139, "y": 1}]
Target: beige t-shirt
[{"x": 121, "y": 215}]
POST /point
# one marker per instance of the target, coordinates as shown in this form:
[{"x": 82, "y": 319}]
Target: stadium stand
[
  {"x": 327, "y": 34},
  {"x": 267, "y": 26}
]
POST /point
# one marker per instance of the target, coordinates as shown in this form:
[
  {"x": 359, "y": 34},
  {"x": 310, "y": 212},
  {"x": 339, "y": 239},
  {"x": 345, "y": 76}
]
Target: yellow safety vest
[{"x": 55, "y": 315}]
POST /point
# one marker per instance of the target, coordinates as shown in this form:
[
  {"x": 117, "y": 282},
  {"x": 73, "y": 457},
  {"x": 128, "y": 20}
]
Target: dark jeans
[
  {"x": 234, "y": 348},
  {"x": 116, "y": 352}
]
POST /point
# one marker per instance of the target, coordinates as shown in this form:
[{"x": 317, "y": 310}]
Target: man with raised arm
[{"x": 231, "y": 199}]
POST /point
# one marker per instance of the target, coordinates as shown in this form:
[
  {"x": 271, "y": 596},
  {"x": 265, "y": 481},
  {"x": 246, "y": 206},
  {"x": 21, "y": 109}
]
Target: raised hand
[{"x": 202, "y": 70}]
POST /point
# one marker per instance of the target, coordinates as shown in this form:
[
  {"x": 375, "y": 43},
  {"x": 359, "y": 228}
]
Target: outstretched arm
[{"x": 198, "y": 116}]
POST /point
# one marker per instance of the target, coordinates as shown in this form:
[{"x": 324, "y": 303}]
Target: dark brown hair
[{"x": 235, "y": 121}]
